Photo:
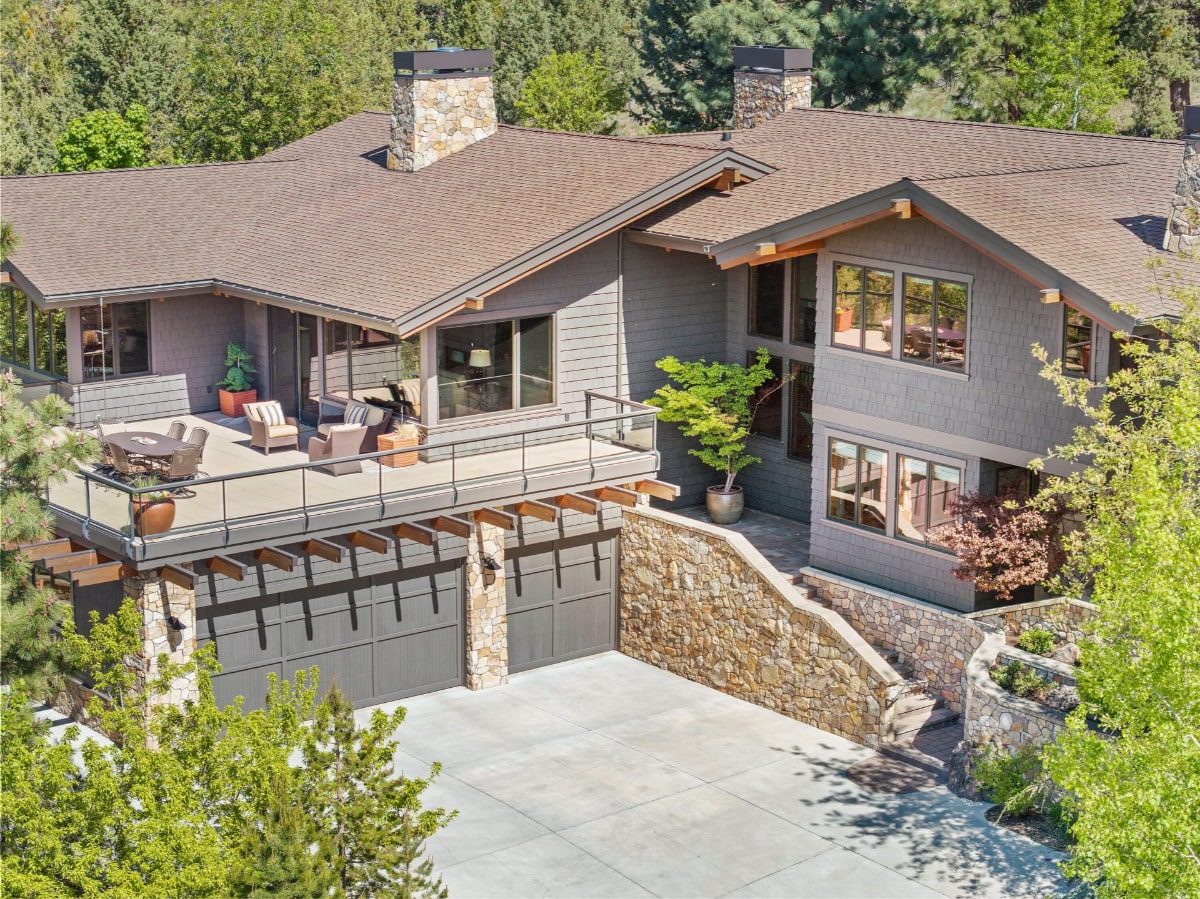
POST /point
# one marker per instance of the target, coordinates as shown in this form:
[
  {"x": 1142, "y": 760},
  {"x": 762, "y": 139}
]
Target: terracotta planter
[
  {"x": 232, "y": 403},
  {"x": 843, "y": 321},
  {"x": 725, "y": 507},
  {"x": 153, "y": 516},
  {"x": 392, "y": 442}
]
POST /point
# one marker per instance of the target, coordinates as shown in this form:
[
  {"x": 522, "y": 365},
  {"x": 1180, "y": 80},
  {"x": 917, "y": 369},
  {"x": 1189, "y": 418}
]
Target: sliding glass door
[{"x": 295, "y": 372}]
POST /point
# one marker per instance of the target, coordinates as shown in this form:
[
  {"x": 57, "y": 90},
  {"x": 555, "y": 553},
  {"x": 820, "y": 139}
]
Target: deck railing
[{"x": 612, "y": 431}]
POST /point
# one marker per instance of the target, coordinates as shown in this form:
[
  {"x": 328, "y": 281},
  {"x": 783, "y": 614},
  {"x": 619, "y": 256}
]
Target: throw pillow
[
  {"x": 356, "y": 414},
  {"x": 272, "y": 413}
]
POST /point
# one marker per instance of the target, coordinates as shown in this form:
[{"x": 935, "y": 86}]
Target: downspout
[{"x": 620, "y": 392}]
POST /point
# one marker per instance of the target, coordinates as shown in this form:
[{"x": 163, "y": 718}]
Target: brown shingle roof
[{"x": 1090, "y": 206}]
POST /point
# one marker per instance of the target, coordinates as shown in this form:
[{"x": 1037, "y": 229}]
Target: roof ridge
[
  {"x": 611, "y": 138},
  {"x": 1017, "y": 171},
  {"x": 157, "y": 168}
]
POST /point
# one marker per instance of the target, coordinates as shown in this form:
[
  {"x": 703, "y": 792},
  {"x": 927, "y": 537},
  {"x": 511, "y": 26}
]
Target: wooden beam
[
  {"x": 104, "y": 573},
  {"x": 231, "y": 568},
  {"x": 577, "y": 502},
  {"x": 902, "y": 208},
  {"x": 1050, "y": 296},
  {"x": 70, "y": 561},
  {"x": 497, "y": 518},
  {"x": 766, "y": 248},
  {"x": 812, "y": 238},
  {"x": 323, "y": 549},
  {"x": 657, "y": 489},
  {"x": 376, "y": 543},
  {"x": 417, "y": 533},
  {"x": 451, "y": 524},
  {"x": 779, "y": 251},
  {"x": 178, "y": 576},
  {"x": 276, "y": 558},
  {"x": 728, "y": 178},
  {"x": 541, "y": 511},
  {"x": 474, "y": 303},
  {"x": 5, "y": 278},
  {"x": 618, "y": 495},
  {"x": 806, "y": 250},
  {"x": 44, "y": 549}
]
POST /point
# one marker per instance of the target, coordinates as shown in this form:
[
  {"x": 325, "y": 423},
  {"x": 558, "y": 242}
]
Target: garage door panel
[
  {"x": 246, "y": 646},
  {"x": 583, "y": 578},
  {"x": 416, "y": 662},
  {"x": 313, "y": 633},
  {"x": 417, "y": 584},
  {"x": 349, "y": 667},
  {"x": 240, "y": 613},
  {"x": 530, "y": 581},
  {"x": 584, "y": 624},
  {"x": 402, "y": 615},
  {"x": 318, "y": 600},
  {"x": 249, "y": 683},
  {"x": 570, "y": 552},
  {"x": 530, "y": 638}
]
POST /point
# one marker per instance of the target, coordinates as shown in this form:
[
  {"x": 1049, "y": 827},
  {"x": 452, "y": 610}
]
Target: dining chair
[
  {"x": 175, "y": 431},
  {"x": 183, "y": 464},
  {"x": 197, "y": 438},
  {"x": 125, "y": 466}
]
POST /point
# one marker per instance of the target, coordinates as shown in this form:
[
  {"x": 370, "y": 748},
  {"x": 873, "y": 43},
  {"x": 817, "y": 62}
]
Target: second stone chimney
[
  {"x": 1183, "y": 224},
  {"x": 442, "y": 102},
  {"x": 768, "y": 81}
]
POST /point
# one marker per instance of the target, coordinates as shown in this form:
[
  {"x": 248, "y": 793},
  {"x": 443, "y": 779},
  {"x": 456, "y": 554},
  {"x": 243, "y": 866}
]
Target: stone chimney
[
  {"x": 1183, "y": 224},
  {"x": 768, "y": 81},
  {"x": 442, "y": 101}
]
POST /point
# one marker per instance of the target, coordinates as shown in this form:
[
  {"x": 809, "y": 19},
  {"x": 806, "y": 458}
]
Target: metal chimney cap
[
  {"x": 773, "y": 59},
  {"x": 443, "y": 62},
  {"x": 1191, "y": 120}
]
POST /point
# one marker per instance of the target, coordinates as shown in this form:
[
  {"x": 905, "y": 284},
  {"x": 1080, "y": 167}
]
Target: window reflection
[
  {"x": 858, "y": 485},
  {"x": 766, "y": 300},
  {"x": 926, "y": 492},
  {"x": 1077, "y": 344},
  {"x": 863, "y": 309},
  {"x": 495, "y": 366},
  {"x": 115, "y": 340},
  {"x": 935, "y": 321}
]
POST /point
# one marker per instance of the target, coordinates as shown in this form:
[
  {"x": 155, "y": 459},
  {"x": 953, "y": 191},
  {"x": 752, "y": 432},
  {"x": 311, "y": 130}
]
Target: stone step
[
  {"x": 917, "y": 701},
  {"x": 922, "y": 721},
  {"x": 888, "y": 655},
  {"x": 906, "y": 752},
  {"x": 905, "y": 671}
]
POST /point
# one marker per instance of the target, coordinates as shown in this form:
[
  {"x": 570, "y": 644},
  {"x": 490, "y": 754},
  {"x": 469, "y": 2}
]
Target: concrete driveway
[{"x": 608, "y": 777}]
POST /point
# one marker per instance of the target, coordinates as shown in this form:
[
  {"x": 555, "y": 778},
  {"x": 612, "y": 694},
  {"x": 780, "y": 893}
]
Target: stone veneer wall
[
  {"x": 702, "y": 603},
  {"x": 433, "y": 118},
  {"x": 1067, "y": 619},
  {"x": 758, "y": 96},
  {"x": 1183, "y": 225},
  {"x": 993, "y": 715},
  {"x": 157, "y": 599},
  {"x": 487, "y": 610}
]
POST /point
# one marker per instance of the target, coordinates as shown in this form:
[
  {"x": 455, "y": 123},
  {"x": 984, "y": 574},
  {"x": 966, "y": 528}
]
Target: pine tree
[
  {"x": 372, "y": 817},
  {"x": 1163, "y": 40},
  {"x": 35, "y": 451}
]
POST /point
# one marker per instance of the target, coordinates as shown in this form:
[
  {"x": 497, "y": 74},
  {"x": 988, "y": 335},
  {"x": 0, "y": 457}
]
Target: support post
[{"x": 487, "y": 618}]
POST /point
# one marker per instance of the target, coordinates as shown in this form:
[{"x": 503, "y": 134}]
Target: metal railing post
[{"x": 224, "y": 512}]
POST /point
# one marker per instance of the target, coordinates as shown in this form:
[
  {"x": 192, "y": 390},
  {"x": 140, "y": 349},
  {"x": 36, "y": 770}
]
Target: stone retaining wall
[
  {"x": 1048, "y": 669},
  {"x": 1065, "y": 618},
  {"x": 993, "y": 715},
  {"x": 701, "y": 602}
]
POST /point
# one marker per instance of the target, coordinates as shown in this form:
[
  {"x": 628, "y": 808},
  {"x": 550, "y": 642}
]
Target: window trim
[
  {"x": 866, "y": 269},
  {"x": 929, "y": 465},
  {"x": 857, "y": 524},
  {"x": 932, "y": 362},
  {"x": 106, "y": 310}
]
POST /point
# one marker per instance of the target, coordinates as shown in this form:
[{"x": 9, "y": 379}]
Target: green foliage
[
  {"x": 104, "y": 140},
  {"x": 1163, "y": 41},
  {"x": 1072, "y": 73},
  {"x": 1021, "y": 680},
  {"x": 374, "y": 818},
  {"x": 1132, "y": 782},
  {"x": 36, "y": 449},
  {"x": 1036, "y": 640},
  {"x": 1006, "y": 675},
  {"x": 568, "y": 92},
  {"x": 715, "y": 403},
  {"x": 240, "y": 363},
  {"x": 1013, "y": 779}
]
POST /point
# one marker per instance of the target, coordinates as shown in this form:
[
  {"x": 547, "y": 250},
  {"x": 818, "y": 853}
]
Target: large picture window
[
  {"x": 495, "y": 366},
  {"x": 925, "y": 495},
  {"x": 862, "y": 316},
  {"x": 1077, "y": 343},
  {"x": 800, "y": 424},
  {"x": 360, "y": 361},
  {"x": 935, "y": 321},
  {"x": 766, "y": 300},
  {"x": 115, "y": 340},
  {"x": 858, "y": 484}
]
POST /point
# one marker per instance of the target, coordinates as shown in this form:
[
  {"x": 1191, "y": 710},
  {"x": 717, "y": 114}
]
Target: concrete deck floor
[{"x": 608, "y": 777}]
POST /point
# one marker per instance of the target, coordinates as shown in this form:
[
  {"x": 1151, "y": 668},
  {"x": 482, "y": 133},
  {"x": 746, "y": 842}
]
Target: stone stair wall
[{"x": 702, "y": 602}]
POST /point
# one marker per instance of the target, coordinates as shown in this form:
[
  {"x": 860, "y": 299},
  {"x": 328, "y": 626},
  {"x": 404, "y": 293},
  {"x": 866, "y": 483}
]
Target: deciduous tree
[
  {"x": 104, "y": 140},
  {"x": 568, "y": 92}
]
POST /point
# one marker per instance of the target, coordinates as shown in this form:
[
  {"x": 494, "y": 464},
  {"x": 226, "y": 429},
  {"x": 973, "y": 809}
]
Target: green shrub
[
  {"x": 1036, "y": 640},
  {"x": 1006, "y": 675},
  {"x": 1031, "y": 685},
  {"x": 1013, "y": 780}
]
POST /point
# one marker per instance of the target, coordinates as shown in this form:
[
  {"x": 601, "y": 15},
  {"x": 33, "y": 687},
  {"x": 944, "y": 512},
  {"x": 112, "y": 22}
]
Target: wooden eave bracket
[
  {"x": 276, "y": 558},
  {"x": 657, "y": 489},
  {"x": 777, "y": 253},
  {"x": 531, "y": 509},
  {"x": 230, "y": 568},
  {"x": 417, "y": 533},
  {"x": 43, "y": 549},
  {"x": 497, "y": 518},
  {"x": 370, "y": 540},
  {"x": 179, "y": 576},
  {"x": 323, "y": 549},
  {"x": 104, "y": 573},
  {"x": 729, "y": 177},
  {"x": 902, "y": 208},
  {"x": 618, "y": 495},
  {"x": 452, "y": 524},
  {"x": 475, "y": 304},
  {"x": 70, "y": 561},
  {"x": 579, "y": 503}
]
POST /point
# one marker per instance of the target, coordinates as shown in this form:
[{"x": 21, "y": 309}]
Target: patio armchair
[
  {"x": 183, "y": 464},
  {"x": 176, "y": 430},
  {"x": 270, "y": 428},
  {"x": 126, "y": 466},
  {"x": 340, "y": 441},
  {"x": 376, "y": 420},
  {"x": 197, "y": 438},
  {"x": 104, "y": 427}
]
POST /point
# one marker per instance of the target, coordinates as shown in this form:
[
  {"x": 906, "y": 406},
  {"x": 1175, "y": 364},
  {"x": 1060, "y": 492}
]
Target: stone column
[
  {"x": 1183, "y": 222},
  {"x": 487, "y": 618},
  {"x": 159, "y": 600},
  {"x": 759, "y": 96}
]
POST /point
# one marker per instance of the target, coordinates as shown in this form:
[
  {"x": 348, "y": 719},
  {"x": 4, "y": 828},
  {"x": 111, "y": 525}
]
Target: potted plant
[
  {"x": 406, "y": 433},
  {"x": 843, "y": 319},
  {"x": 715, "y": 403},
  {"x": 153, "y": 511},
  {"x": 237, "y": 387}
]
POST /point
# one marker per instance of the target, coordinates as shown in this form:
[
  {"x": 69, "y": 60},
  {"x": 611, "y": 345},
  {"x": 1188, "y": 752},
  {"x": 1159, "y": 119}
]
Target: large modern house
[{"x": 512, "y": 289}]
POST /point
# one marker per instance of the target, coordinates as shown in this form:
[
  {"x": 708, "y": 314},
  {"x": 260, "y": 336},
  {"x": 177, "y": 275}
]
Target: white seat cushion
[{"x": 282, "y": 431}]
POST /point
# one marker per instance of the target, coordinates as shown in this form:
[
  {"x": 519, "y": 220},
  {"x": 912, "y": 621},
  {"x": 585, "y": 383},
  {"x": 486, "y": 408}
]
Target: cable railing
[{"x": 497, "y": 464}]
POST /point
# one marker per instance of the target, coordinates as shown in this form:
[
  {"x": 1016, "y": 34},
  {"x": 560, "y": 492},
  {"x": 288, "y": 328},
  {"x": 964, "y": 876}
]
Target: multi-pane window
[
  {"x": 766, "y": 300},
  {"x": 925, "y": 496},
  {"x": 1015, "y": 483},
  {"x": 804, "y": 300},
  {"x": 115, "y": 340},
  {"x": 862, "y": 318},
  {"x": 495, "y": 366},
  {"x": 858, "y": 484},
  {"x": 31, "y": 338},
  {"x": 800, "y": 424},
  {"x": 935, "y": 321},
  {"x": 1077, "y": 343},
  {"x": 768, "y": 412}
]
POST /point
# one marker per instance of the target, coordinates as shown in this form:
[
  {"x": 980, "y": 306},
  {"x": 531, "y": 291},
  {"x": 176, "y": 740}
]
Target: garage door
[
  {"x": 381, "y": 638},
  {"x": 562, "y": 602}
]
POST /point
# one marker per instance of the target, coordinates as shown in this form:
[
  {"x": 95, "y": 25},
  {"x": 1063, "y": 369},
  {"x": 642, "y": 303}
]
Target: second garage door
[{"x": 562, "y": 601}]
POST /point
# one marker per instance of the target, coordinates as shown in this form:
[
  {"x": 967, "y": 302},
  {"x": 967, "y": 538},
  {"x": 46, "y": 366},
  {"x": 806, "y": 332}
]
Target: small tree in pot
[
  {"x": 716, "y": 402},
  {"x": 237, "y": 387}
]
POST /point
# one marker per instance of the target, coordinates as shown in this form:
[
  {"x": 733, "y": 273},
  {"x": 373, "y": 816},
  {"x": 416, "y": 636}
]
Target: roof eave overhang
[
  {"x": 877, "y": 205},
  {"x": 601, "y": 226}
]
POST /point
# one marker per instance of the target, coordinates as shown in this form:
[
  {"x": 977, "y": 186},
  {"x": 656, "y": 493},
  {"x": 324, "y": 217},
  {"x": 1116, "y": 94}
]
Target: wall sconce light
[
  {"x": 490, "y": 564},
  {"x": 174, "y": 623}
]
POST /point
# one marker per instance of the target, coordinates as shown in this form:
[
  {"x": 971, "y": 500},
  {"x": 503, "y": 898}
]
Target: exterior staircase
[{"x": 924, "y": 732}]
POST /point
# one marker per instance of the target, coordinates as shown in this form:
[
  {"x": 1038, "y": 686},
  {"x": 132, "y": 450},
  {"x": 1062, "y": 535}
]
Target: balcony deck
[{"x": 246, "y": 498}]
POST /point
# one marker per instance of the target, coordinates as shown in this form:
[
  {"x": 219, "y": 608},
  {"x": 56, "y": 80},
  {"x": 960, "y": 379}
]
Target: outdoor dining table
[{"x": 145, "y": 443}]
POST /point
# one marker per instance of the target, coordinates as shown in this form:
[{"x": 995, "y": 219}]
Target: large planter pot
[
  {"x": 392, "y": 442},
  {"x": 153, "y": 516},
  {"x": 725, "y": 507},
  {"x": 232, "y": 402},
  {"x": 842, "y": 321}
]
